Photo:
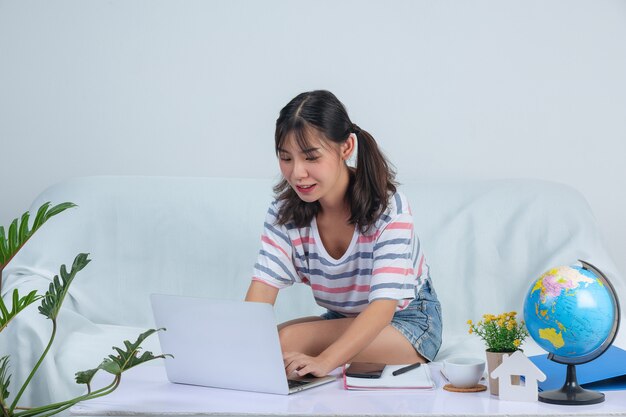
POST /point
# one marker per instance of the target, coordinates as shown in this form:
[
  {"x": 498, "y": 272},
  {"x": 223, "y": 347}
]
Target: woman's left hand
[{"x": 301, "y": 364}]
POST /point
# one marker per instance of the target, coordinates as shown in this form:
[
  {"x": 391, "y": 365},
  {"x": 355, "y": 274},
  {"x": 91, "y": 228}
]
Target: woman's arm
[
  {"x": 361, "y": 332},
  {"x": 261, "y": 293}
]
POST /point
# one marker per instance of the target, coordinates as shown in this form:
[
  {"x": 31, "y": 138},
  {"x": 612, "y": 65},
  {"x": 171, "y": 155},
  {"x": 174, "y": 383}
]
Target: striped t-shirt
[{"x": 386, "y": 262}]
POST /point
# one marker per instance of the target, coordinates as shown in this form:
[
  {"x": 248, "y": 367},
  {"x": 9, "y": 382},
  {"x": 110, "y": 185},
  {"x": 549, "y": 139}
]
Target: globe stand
[{"x": 571, "y": 393}]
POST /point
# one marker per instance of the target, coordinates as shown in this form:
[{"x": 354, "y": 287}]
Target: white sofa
[{"x": 485, "y": 243}]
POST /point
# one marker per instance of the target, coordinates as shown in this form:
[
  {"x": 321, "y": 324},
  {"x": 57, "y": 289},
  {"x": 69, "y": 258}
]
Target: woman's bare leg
[
  {"x": 312, "y": 337},
  {"x": 299, "y": 320}
]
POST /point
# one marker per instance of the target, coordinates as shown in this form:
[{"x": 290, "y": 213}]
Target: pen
[{"x": 406, "y": 369}]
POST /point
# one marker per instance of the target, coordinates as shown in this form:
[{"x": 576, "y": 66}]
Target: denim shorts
[{"x": 419, "y": 322}]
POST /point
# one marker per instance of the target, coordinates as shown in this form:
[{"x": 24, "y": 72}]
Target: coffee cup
[{"x": 463, "y": 372}]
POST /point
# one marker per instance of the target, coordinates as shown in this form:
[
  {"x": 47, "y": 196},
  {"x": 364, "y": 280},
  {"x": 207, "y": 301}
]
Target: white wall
[{"x": 450, "y": 89}]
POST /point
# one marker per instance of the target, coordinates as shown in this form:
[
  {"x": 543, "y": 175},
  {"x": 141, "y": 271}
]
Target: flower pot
[{"x": 494, "y": 359}]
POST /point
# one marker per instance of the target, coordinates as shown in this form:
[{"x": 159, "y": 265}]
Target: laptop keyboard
[{"x": 295, "y": 384}]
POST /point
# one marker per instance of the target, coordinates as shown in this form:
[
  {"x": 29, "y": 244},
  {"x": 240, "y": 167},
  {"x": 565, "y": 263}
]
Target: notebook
[
  {"x": 607, "y": 372},
  {"x": 418, "y": 378},
  {"x": 224, "y": 344}
]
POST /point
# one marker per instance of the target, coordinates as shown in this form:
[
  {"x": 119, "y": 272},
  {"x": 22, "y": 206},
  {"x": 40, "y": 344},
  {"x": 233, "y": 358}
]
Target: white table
[{"x": 145, "y": 391}]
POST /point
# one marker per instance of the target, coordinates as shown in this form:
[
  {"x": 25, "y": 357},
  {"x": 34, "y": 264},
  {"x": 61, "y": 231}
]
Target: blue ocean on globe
[{"x": 569, "y": 311}]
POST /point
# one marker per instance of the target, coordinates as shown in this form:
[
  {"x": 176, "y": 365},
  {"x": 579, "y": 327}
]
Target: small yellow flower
[{"x": 498, "y": 331}]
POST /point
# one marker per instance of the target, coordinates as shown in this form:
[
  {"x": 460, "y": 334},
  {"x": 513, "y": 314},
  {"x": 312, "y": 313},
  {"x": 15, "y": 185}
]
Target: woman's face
[{"x": 317, "y": 173}]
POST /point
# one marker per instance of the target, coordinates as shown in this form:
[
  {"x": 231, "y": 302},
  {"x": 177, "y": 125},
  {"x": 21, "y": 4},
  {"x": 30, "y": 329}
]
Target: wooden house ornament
[{"x": 518, "y": 364}]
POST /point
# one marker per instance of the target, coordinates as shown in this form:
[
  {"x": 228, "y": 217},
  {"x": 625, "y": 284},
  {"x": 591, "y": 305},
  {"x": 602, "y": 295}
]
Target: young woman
[{"x": 348, "y": 234}]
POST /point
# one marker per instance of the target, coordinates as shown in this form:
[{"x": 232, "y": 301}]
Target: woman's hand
[{"x": 301, "y": 364}]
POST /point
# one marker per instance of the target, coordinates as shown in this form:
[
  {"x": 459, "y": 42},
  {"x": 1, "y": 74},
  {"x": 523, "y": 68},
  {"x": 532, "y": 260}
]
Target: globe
[{"x": 573, "y": 313}]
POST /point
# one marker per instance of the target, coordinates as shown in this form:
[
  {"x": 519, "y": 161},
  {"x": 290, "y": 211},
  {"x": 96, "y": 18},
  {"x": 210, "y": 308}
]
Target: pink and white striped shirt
[{"x": 386, "y": 262}]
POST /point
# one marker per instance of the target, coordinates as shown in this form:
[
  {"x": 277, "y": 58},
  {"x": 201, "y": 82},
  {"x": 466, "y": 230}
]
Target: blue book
[{"x": 605, "y": 373}]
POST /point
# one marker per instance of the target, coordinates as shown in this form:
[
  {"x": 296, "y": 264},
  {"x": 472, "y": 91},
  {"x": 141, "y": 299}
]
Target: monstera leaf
[
  {"x": 130, "y": 358},
  {"x": 19, "y": 231},
  {"x": 123, "y": 361},
  {"x": 19, "y": 304},
  {"x": 4, "y": 380},
  {"x": 57, "y": 291}
]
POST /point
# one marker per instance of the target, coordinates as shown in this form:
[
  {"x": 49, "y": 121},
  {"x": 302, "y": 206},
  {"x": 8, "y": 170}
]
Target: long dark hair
[{"x": 372, "y": 182}]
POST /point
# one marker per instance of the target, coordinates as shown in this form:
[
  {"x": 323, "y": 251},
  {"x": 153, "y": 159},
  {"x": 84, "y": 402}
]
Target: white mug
[{"x": 463, "y": 372}]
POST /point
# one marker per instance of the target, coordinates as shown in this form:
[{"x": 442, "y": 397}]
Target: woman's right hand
[{"x": 301, "y": 365}]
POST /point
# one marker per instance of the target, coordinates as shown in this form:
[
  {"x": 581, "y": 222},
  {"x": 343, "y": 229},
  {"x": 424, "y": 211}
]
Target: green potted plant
[
  {"x": 125, "y": 358},
  {"x": 502, "y": 334}
]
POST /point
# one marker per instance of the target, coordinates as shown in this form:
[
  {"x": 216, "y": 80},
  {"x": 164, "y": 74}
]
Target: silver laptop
[{"x": 224, "y": 344}]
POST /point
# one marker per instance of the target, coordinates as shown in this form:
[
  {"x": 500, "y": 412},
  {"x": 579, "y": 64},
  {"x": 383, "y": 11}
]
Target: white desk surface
[{"x": 145, "y": 391}]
